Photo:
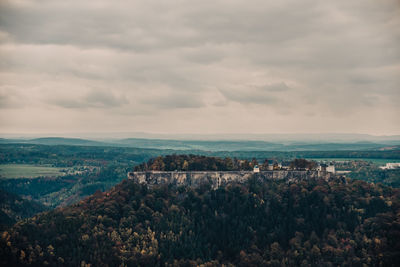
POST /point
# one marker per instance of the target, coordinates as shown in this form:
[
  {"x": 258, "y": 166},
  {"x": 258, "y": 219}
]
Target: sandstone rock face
[{"x": 216, "y": 179}]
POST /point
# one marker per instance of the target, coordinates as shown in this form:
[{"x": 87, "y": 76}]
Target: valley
[{"x": 260, "y": 207}]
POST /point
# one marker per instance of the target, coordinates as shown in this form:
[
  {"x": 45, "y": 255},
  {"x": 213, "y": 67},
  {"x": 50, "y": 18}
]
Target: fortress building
[
  {"x": 256, "y": 169},
  {"x": 218, "y": 178}
]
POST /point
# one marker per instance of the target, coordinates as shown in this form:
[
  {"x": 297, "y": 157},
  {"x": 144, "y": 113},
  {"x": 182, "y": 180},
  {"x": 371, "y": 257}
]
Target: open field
[{"x": 28, "y": 171}]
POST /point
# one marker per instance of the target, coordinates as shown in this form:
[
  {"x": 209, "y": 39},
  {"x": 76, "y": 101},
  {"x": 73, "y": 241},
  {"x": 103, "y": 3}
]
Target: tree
[
  {"x": 254, "y": 162},
  {"x": 265, "y": 165},
  {"x": 302, "y": 164}
]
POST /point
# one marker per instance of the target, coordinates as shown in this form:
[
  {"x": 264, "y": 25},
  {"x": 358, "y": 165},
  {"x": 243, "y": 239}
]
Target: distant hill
[
  {"x": 64, "y": 141},
  {"x": 213, "y": 145},
  {"x": 54, "y": 141},
  {"x": 336, "y": 146},
  {"x": 222, "y": 145},
  {"x": 237, "y": 145},
  {"x": 270, "y": 223}
]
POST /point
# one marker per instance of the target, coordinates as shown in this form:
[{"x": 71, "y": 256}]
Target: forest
[
  {"x": 104, "y": 167},
  {"x": 196, "y": 163},
  {"x": 314, "y": 222},
  {"x": 268, "y": 223},
  {"x": 107, "y": 167},
  {"x": 202, "y": 163},
  {"x": 66, "y": 156},
  {"x": 13, "y": 208},
  {"x": 68, "y": 189}
]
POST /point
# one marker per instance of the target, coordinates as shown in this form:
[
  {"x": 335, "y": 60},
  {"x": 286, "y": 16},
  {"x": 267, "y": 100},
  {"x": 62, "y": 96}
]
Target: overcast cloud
[{"x": 200, "y": 66}]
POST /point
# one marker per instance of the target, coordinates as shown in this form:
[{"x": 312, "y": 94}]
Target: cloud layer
[{"x": 200, "y": 66}]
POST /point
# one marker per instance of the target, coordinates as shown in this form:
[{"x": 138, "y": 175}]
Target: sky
[{"x": 200, "y": 67}]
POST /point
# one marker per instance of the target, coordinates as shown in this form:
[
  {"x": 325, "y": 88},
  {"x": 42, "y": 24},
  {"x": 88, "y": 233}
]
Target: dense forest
[
  {"x": 376, "y": 175},
  {"x": 196, "y": 163},
  {"x": 13, "y": 208},
  {"x": 202, "y": 163},
  {"x": 65, "y": 156},
  {"x": 275, "y": 223},
  {"x": 109, "y": 165},
  {"x": 64, "y": 190}
]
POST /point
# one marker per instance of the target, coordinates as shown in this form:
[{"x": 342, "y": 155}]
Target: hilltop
[{"x": 246, "y": 224}]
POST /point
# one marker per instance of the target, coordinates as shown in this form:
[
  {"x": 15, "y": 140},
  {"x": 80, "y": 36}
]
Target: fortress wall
[{"x": 196, "y": 178}]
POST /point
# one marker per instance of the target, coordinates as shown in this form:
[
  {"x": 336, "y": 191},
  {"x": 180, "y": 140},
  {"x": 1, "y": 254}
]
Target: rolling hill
[
  {"x": 213, "y": 145},
  {"x": 312, "y": 222}
]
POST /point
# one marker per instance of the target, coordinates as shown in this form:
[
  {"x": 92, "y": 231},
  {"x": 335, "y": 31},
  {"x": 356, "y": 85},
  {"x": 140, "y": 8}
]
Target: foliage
[
  {"x": 14, "y": 208},
  {"x": 112, "y": 164},
  {"x": 376, "y": 175},
  {"x": 195, "y": 163},
  {"x": 64, "y": 190},
  {"x": 107, "y": 167},
  {"x": 312, "y": 222},
  {"x": 202, "y": 163},
  {"x": 302, "y": 164},
  {"x": 67, "y": 156}
]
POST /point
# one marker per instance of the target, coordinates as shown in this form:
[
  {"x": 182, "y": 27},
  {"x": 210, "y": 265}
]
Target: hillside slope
[
  {"x": 258, "y": 223},
  {"x": 14, "y": 208}
]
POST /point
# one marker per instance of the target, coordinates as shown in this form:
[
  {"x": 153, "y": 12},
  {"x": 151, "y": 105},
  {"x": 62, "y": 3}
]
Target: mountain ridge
[{"x": 210, "y": 145}]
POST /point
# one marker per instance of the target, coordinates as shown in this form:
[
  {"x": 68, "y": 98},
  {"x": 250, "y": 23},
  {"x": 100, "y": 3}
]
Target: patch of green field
[
  {"x": 28, "y": 171},
  {"x": 375, "y": 161}
]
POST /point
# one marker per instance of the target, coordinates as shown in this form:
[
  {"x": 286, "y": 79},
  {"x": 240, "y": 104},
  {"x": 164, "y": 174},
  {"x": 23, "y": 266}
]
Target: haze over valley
[{"x": 199, "y": 133}]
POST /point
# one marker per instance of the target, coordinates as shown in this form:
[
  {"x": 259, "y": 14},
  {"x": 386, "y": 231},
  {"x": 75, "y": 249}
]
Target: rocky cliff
[{"x": 216, "y": 179}]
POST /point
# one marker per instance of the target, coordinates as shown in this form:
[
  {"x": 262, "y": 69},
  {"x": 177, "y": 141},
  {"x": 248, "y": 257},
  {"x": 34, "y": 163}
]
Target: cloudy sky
[{"x": 184, "y": 66}]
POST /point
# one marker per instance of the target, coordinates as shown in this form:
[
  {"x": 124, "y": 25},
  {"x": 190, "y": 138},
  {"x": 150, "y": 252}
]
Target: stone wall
[{"x": 195, "y": 178}]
